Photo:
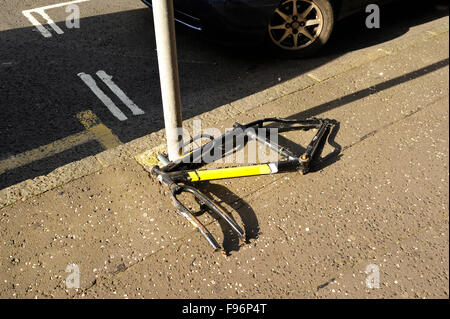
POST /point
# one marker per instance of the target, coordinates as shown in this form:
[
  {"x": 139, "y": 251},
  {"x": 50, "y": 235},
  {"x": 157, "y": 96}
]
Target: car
[{"x": 296, "y": 28}]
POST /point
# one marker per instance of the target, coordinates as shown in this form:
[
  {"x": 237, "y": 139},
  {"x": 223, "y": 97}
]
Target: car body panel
[
  {"x": 236, "y": 14},
  {"x": 242, "y": 19}
]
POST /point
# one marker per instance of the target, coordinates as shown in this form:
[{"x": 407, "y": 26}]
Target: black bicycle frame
[{"x": 180, "y": 174}]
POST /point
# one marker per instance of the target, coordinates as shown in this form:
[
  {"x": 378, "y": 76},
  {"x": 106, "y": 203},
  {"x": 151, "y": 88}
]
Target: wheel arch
[{"x": 335, "y": 4}]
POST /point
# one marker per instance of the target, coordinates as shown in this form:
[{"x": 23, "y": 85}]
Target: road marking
[
  {"x": 42, "y": 152},
  {"x": 41, "y": 11},
  {"x": 120, "y": 94},
  {"x": 99, "y": 130},
  {"x": 112, "y": 107},
  {"x": 90, "y": 82},
  {"x": 95, "y": 131},
  {"x": 37, "y": 24}
]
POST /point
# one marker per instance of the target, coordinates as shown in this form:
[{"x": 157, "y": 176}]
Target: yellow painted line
[
  {"x": 95, "y": 130},
  {"x": 149, "y": 158},
  {"x": 99, "y": 130},
  {"x": 41, "y": 152}
]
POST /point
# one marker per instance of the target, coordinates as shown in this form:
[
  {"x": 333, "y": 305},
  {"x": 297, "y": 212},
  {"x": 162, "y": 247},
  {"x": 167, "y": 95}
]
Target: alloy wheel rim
[{"x": 295, "y": 24}]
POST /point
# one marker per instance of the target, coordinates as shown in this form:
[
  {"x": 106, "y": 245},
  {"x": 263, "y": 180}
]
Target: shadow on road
[
  {"x": 41, "y": 93},
  {"x": 231, "y": 240}
]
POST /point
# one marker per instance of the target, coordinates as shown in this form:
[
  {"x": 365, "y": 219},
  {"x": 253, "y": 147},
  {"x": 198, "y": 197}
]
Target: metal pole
[{"x": 163, "y": 16}]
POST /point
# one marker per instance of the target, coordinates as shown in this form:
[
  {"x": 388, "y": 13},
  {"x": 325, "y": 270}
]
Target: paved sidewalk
[{"x": 382, "y": 202}]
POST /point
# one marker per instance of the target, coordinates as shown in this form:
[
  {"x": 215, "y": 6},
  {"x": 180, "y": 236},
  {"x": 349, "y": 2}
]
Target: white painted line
[
  {"x": 57, "y": 5},
  {"x": 41, "y": 11},
  {"x": 120, "y": 94},
  {"x": 37, "y": 24},
  {"x": 90, "y": 82},
  {"x": 50, "y": 22}
]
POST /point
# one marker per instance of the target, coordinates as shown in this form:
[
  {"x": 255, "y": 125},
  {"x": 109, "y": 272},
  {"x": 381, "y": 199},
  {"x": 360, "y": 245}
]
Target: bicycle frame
[{"x": 176, "y": 172}]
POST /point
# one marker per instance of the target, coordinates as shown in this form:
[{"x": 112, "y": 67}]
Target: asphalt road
[
  {"x": 381, "y": 203},
  {"x": 41, "y": 91}
]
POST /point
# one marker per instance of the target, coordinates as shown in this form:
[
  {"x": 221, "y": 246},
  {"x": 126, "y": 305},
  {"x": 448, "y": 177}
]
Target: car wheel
[{"x": 298, "y": 28}]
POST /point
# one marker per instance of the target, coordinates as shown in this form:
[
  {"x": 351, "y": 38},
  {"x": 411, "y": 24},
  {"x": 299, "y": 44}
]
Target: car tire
[{"x": 300, "y": 32}]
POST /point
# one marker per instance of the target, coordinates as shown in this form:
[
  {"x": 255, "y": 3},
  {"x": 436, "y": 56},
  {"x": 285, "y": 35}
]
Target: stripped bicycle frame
[{"x": 180, "y": 171}]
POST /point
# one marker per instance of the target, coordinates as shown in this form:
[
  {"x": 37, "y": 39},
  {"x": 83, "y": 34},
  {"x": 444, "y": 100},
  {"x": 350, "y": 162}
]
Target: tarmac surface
[
  {"x": 44, "y": 95},
  {"x": 380, "y": 205}
]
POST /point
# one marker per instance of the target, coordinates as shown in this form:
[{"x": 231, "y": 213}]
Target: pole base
[{"x": 149, "y": 158}]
